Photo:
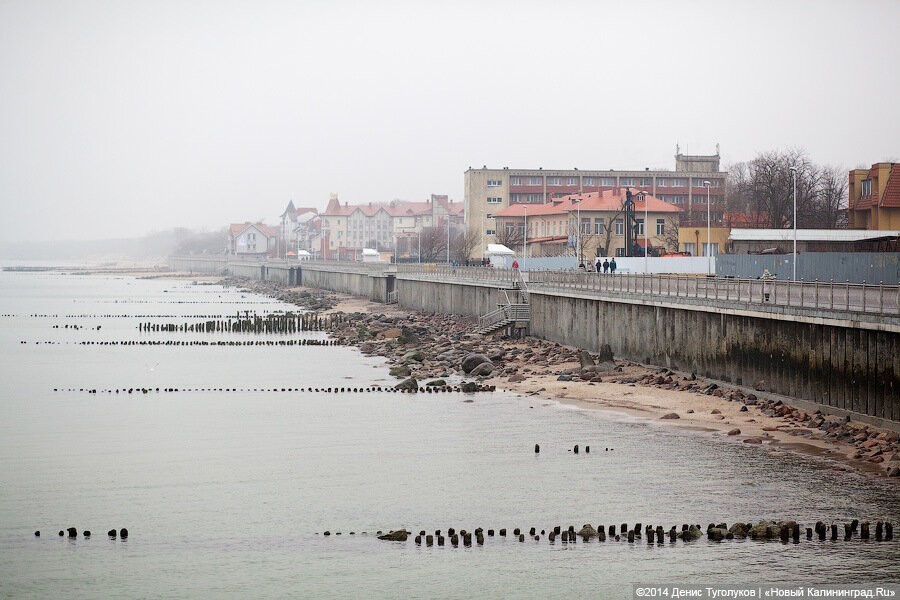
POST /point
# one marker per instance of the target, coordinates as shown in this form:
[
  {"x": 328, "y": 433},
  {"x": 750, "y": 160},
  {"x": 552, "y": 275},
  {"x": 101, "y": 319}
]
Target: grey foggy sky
[{"x": 119, "y": 118}]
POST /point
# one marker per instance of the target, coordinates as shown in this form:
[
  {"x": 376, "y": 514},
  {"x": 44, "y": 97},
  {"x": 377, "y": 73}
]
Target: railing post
[
  {"x": 881, "y": 297},
  {"x": 831, "y": 302},
  {"x": 864, "y": 295}
]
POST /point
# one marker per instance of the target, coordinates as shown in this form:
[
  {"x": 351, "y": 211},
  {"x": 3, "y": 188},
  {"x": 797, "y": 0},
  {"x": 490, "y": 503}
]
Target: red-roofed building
[
  {"x": 488, "y": 191},
  {"x": 874, "y": 197},
  {"x": 298, "y": 227},
  {"x": 252, "y": 239},
  {"x": 552, "y": 227},
  {"x": 348, "y": 228}
]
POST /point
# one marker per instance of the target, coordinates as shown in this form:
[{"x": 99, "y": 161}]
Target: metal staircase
[{"x": 514, "y": 314}]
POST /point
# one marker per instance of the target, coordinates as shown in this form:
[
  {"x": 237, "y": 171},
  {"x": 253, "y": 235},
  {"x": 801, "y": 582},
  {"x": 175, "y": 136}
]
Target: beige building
[
  {"x": 386, "y": 227},
  {"x": 489, "y": 191}
]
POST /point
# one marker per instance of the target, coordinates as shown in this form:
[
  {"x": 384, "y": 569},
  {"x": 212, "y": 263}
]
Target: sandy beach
[{"x": 641, "y": 391}]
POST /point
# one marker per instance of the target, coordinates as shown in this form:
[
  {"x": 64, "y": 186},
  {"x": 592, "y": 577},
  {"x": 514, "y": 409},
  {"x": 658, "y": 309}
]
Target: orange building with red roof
[
  {"x": 552, "y": 228},
  {"x": 874, "y": 197}
]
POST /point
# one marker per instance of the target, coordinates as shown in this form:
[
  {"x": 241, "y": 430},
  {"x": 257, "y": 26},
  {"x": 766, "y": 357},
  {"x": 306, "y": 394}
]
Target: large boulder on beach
[
  {"x": 605, "y": 354},
  {"x": 413, "y": 356},
  {"x": 391, "y": 333},
  {"x": 436, "y": 383},
  {"x": 472, "y": 360},
  {"x": 584, "y": 357},
  {"x": 409, "y": 384},
  {"x": 604, "y": 367},
  {"x": 482, "y": 370},
  {"x": 400, "y": 371}
]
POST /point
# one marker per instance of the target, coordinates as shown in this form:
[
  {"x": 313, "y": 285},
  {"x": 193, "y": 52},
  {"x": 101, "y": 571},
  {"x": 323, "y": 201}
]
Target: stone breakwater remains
[{"x": 764, "y": 530}]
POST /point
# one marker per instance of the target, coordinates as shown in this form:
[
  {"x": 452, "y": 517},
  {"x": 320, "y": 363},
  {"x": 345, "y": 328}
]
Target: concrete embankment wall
[
  {"x": 825, "y": 359},
  {"x": 457, "y": 298},
  {"x": 831, "y": 362}
]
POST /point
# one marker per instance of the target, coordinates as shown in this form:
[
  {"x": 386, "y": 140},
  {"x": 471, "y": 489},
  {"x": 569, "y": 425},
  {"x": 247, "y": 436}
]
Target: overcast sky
[{"x": 119, "y": 118}]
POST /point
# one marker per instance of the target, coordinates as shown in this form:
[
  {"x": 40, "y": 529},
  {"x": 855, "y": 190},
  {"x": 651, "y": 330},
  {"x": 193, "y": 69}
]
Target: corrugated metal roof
[{"x": 809, "y": 235}]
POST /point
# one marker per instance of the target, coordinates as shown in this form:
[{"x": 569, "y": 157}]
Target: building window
[
  {"x": 620, "y": 226},
  {"x": 494, "y": 200},
  {"x": 535, "y": 181},
  {"x": 598, "y": 225},
  {"x": 660, "y": 227},
  {"x": 662, "y": 182},
  {"x": 626, "y": 181},
  {"x": 494, "y": 182},
  {"x": 608, "y": 181},
  {"x": 572, "y": 181},
  {"x": 589, "y": 181},
  {"x": 490, "y": 232},
  {"x": 690, "y": 248},
  {"x": 714, "y": 247},
  {"x": 646, "y": 182},
  {"x": 640, "y": 226},
  {"x": 866, "y": 188},
  {"x": 554, "y": 181},
  {"x": 679, "y": 182},
  {"x": 620, "y": 252},
  {"x": 515, "y": 181}
]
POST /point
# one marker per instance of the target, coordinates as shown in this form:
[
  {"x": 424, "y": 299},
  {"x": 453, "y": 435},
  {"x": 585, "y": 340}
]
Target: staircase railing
[{"x": 492, "y": 318}]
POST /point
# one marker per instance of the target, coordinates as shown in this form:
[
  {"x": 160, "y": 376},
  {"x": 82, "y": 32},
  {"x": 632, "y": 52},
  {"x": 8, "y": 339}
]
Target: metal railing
[
  {"x": 393, "y": 297},
  {"x": 505, "y": 313},
  {"x": 816, "y": 295},
  {"x": 433, "y": 272}
]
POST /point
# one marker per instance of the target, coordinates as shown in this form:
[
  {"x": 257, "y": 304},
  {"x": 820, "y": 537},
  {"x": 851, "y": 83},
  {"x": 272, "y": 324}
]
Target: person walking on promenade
[
  {"x": 612, "y": 266},
  {"x": 597, "y": 265},
  {"x": 605, "y": 265}
]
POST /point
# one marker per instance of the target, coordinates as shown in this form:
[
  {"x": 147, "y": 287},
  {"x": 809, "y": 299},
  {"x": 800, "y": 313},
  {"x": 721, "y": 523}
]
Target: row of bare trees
[{"x": 762, "y": 189}]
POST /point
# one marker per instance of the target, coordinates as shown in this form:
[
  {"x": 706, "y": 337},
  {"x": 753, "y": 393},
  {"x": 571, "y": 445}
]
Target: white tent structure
[
  {"x": 370, "y": 255},
  {"x": 500, "y": 256}
]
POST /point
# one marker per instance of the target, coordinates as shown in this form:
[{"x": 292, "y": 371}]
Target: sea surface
[{"x": 227, "y": 494}]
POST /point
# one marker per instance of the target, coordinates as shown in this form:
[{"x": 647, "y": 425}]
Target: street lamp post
[
  {"x": 448, "y": 238},
  {"x": 578, "y": 230},
  {"x": 525, "y": 232},
  {"x": 708, "y": 241},
  {"x": 794, "y": 177},
  {"x": 646, "y": 234}
]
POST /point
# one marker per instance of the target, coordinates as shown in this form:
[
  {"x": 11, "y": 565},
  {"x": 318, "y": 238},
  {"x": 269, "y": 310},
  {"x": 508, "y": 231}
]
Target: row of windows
[
  {"x": 555, "y": 227},
  {"x": 609, "y": 181},
  {"x": 495, "y": 200}
]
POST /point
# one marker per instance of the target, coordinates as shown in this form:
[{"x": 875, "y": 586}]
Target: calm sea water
[{"x": 226, "y": 494}]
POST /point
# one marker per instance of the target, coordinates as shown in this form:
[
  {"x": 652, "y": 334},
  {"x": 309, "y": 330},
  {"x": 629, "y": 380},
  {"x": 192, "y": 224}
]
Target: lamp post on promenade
[
  {"x": 525, "y": 232},
  {"x": 794, "y": 177},
  {"x": 646, "y": 234},
  {"x": 708, "y": 240}
]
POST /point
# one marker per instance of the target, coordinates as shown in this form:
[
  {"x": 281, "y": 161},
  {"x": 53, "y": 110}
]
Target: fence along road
[{"x": 757, "y": 293}]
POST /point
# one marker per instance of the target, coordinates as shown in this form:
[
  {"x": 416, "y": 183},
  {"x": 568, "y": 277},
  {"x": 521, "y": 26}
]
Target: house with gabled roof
[
  {"x": 252, "y": 239},
  {"x": 586, "y": 225},
  {"x": 874, "y": 197},
  {"x": 297, "y": 228}
]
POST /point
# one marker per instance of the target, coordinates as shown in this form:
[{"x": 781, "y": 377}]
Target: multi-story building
[
  {"x": 392, "y": 226},
  {"x": 488, "y": 191},
  {"x": 590, "y": 224},
  {"x": 297, "y": 228},
  {"x": 874, "y": 197}
]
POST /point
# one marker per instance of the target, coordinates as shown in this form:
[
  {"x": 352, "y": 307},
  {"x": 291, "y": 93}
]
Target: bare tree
[
  {"x": 608, "y": 228},
  {"x": 763, "y": 191},
  {"x": 510, "y": 234},
  {"x": 670, "y": 236},
  {"x": 463, "y": 243},
  {"x": 433, "y": 243}
]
